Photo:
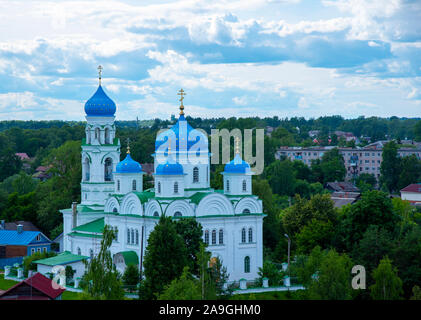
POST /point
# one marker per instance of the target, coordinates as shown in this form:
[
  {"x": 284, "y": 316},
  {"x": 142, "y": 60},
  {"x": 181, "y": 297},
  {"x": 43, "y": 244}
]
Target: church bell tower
[{"x": 100, "y": 148}]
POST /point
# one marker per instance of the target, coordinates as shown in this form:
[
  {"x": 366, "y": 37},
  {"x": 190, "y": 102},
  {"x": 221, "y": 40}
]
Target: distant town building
[
  {"x": 41, "y": 173},
  {"x": 342, "y": 186},
  {"x": 357, "y": 160},
  {"x": 343, "y": 198},
  {"x": 23, "y": 156}
]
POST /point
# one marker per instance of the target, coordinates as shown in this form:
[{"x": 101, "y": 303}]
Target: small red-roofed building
[
  {"x": 412, "y": 193},
  {"x": 37, "y": 287}
]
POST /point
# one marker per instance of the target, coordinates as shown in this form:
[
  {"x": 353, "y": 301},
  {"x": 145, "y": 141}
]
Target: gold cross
[
  {"x": 99, "y": 73},
  {"x": 128, "y": 144},
  {"x": 237, "y": 145},
  {"x": 181, "y": 93}
]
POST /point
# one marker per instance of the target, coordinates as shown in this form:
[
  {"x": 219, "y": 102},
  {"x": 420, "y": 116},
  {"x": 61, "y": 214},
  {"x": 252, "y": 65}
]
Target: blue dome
[
  {"x": 237, "y": 165},
  {"x": 169, "y": 168},
  {"x": 183, "y": 130},
  {"x": 128, "y": 165},
  {"x": 100, "y": 104}
]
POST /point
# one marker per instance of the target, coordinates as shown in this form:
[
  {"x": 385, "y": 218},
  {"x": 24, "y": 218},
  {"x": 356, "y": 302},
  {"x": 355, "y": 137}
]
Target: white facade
[{"x": 232, "y": 220}]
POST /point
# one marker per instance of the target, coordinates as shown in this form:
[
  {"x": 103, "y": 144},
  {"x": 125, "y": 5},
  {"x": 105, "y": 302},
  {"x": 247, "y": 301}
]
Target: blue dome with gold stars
[
  {"x": 100, "y": 105},
  {"x": 128, "y": 165}
]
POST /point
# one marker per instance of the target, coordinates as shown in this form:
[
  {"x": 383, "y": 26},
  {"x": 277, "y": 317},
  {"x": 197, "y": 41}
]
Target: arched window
[
  {"x": 177, "y": 214},
  {"x": 246, "y": 211},
  {"x": 108, "y": 169},
  {"x": 221, "y": 236},
  {"x": 156, "y": 214},
  {"x": 228, "y": 185},
  {"x": 159, "y": 187},
  {"x": 244, "y": 186},
  {"x": 250, "y": 235},
  {"x": 213, "y": 236},
  {"x": 134, "y": 185},
  {"x": 115, "y": 210},
  {"x": 132, "y": 236},
  {"x": 195, "y": 174},
  {"x": 107, "y": 136},
  {"x": 207, "y": 236},
  {"x": 86, "y": 167},
  {"x": 247, "y": 264},
  {"x": 88, "y": 137},
  {"x": 137, "y": 237},
  {"x": 79, "y": 252},
  {"x": 243, "y": 235},
  {"x": 128, "y": 235},
  {"x": 91, "y": 253},
  {"x": 175, "y": 187},
  {"x": 118, "y": 185},
  {"x": 97, "y": 134}
]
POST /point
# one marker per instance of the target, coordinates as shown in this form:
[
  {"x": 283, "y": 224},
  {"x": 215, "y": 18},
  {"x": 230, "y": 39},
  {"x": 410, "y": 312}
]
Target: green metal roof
[
  {"x": 87, "y": 235},
  {"x": 198, "y": 196},
  {"x": 130, "y": 257},
  {"x": 96, "y": 226},
  {"x": 145, "y": 196},
  {"x": 63, "y": 258}
]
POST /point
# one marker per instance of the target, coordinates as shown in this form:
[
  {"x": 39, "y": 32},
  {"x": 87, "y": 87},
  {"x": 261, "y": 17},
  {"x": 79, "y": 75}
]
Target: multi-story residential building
[{"x": 357, "y": 160}]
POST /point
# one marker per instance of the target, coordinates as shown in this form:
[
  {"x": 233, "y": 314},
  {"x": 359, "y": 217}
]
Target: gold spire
[
  {"x": 237, "y": 145},
  {"x": 181, "y": 93},
  {"x": 99, "y": 73},
  {"x": 128, "y": 144}
]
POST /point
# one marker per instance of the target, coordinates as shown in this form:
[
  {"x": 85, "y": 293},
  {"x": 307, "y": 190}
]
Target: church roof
[
  {"x": 65, "y": 257},
  {"x": 96, "y": 226},
  {"x": 128, "y": 165},
  {"x": 170, "y": 167},
  {"x": 100, "y": 104},
  {"x": 237, "y": 165},
  {"x": 130, "y": 257},
  {"x": 185, "y": 136}
]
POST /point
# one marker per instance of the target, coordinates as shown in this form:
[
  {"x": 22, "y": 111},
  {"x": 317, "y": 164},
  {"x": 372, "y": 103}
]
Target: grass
[
  {"x": 6, "y": 284},
  {"x": 70, "y": 295}
]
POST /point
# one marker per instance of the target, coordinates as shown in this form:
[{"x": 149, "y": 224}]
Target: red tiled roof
[
  {"x": 41, "y": 283},
  {"x": 414, "y": 187},
  {"x": 22, "y": 155}
]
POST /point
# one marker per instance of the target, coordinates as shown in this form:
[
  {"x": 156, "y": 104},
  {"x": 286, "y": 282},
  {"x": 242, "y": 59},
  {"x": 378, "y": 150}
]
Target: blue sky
[{"x": 233, "y": 58}]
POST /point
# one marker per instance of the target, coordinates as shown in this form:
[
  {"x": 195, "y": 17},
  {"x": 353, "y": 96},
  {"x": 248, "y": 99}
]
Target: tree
[
  {"x": 165, "y": 258},
  {"x": 417, "y": 130},
  {"x": 183, "y": 288},
  {"x": 101, "y": 280},
  {"x": 333, "y": 280},
  {"x": 131, "y": 275},
  {"x": 366, "y": 182},
  {"x": 374, "y": 208},
  {"x": 281, "y": 178},
  {"x": 315, "y": 233},
  {"x": 416, "y": 293},
  {"x": 410, "y": 171},
  {"x": 390, "y": 167},
  {"x": 387, "y": 286},
  {"x": 374, "y": 245},
  {"x": 271, "y": 272},
  {"x": 319, "y": 207},
  {"x": 191, "y": 232}
]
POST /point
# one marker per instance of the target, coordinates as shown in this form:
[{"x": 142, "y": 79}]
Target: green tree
[
  {"x": 417, "y": 130},
  {"x": 315, "y": 233},
  {"x": 165, "y": 258},
  {"x": 183, "y": 288},
  {"x": 191, "y": 232},
  {"x": 390, "y": 167},
  {"x": 410, "y": 171},
  {"x": 416, "y": 293},
  {"x": 333, "y": 281},
  {"x": 271, "y": 272},
  {"x": 365, "y": 182},
  {"x": 131, "y": 275},
  {"x": 374, "y": 208},
  {"x": 280, "y": 176},
  {"x": 101, "y": 280},
  {"x": 387, "y": 286}
]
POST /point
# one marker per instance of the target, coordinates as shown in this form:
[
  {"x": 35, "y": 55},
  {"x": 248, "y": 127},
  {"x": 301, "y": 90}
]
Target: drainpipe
[{"x": 74, "y": 215}]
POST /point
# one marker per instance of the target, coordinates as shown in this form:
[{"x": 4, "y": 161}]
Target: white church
[{"x": 112, "y": 194}]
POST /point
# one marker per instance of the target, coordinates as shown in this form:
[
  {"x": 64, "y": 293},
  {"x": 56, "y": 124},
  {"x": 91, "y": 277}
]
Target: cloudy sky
[{"x": 233, "y": 58}]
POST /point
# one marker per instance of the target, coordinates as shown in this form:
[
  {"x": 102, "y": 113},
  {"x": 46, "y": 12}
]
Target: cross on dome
[
  {"x": 99, "y": 73},
  {"x": 181, "y": 93}
]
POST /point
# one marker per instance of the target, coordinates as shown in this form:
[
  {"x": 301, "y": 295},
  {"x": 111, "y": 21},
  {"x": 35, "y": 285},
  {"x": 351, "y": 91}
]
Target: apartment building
[{"x": 357, "y": 160}]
